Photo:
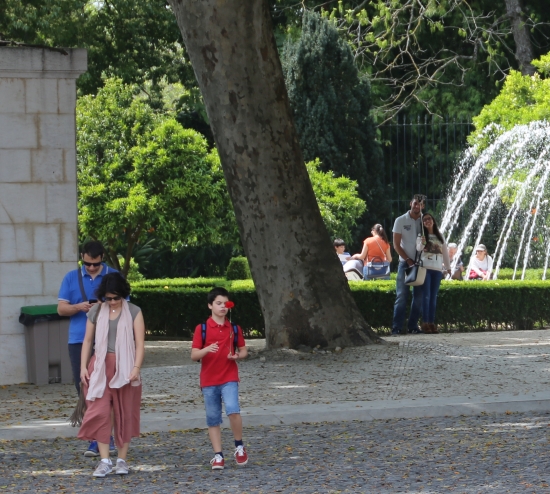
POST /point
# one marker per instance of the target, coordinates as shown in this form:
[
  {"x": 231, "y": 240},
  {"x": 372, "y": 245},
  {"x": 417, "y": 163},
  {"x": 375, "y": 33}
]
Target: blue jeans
[
  {"x": 429, "y": 294},
  {"x": 401, "y": 300},
  {"x": 213, "y": 397}
]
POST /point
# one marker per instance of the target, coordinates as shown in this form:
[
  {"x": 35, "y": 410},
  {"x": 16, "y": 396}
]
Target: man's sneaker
[
  {"x": 240, "y": 456},
  {"x": 121, "y": 467},
  {"x": 92, "y": 450},
  {"x": 395, "y": 333},
  {"x": 103, "y": 469},
  {"x": 217, "y": 462},
  {"x": 416, "y": 331},
  {"x": 112, "y": 448}
]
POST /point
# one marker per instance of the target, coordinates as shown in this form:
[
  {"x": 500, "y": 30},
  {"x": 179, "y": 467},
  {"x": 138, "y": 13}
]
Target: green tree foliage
[
  {"x": 331, "y": 104},
  {"x": 523, "y": 99},
  {"x": 445, "y": 56},
  {"x": 139, "y": 172},
  {"x": 338, "y": 201},
  {"x": 137, "y": 42}
]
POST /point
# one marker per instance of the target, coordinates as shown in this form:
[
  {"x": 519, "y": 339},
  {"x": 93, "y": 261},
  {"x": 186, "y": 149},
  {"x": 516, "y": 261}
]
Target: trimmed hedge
[
  {"x": 174, "y": 311},
  {"x": 530, "y": 274},
  {"x": 238, "y": 269}
]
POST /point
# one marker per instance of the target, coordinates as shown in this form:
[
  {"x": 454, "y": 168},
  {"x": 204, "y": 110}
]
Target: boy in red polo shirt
[{"x": 220, "y": 375}]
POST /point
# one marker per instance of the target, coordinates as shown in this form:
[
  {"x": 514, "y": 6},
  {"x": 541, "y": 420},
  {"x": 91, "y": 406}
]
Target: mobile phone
[{"x": 92, "y": 301}]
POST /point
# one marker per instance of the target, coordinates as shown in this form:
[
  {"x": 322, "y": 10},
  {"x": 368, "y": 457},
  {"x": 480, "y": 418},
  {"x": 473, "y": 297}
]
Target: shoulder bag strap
[
  {"x": 81, "y": 283},
  {"x": 381, "y": 250}
]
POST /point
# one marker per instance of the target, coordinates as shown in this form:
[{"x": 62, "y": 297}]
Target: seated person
[
  {"x": 459, "y": 266},
  {"x": 481, "y": 264},
  {"x": 340, "y": 247}
]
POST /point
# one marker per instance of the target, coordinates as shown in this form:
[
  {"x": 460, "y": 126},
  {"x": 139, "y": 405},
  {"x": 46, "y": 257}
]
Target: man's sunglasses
[
  {"x": 110, "y": 299},
  {"x": 94, "y": 264}
]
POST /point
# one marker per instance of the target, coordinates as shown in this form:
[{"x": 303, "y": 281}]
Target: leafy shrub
[
  {"x": 238, "y": 269},
  {"x": 182, "y": 282},
  {"x": 174, "y": 310},
  {"x": 133, "y": 272},
  {"x": 530, "y": 274}
]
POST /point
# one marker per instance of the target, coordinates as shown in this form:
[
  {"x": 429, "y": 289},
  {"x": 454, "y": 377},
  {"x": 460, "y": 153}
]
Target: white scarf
[{"x": 125, "y": 351}]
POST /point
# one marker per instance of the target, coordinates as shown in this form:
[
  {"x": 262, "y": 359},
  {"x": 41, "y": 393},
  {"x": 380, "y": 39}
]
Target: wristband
[{"x": 137, "y": 366}]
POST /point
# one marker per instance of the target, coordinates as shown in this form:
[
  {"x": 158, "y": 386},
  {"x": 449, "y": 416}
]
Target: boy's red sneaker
[
  {"x": 217, "y": 462},
  {"x": 240, "y": 456}
]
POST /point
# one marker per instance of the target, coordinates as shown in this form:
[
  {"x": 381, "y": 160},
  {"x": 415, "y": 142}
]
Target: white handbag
[{"x": 432, "y": 261}]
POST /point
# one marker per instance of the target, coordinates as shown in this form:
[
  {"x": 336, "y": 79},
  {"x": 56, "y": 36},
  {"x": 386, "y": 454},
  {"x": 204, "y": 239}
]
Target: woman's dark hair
[
  {"x": 113, "y": 283},
  {"x": 437, "y": 233},
  {"x": 378, "y": 228}
]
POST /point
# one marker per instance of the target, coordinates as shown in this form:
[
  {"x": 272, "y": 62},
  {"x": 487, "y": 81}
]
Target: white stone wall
[{"x": 38, "y": 209}]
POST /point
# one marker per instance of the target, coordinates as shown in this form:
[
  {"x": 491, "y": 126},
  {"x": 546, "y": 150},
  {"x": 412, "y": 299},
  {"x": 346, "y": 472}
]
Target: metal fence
[{"x": 420, "y": 156}]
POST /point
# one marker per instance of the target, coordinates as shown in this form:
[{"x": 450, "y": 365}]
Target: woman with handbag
[
  {"x": 434, "y": 255},
  {"x": 376, "y": 255},
  {"x": 111, "y": 378}
]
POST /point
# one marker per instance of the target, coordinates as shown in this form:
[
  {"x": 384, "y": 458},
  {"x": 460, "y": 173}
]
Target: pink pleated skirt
[{"x": 125, "y": 402}]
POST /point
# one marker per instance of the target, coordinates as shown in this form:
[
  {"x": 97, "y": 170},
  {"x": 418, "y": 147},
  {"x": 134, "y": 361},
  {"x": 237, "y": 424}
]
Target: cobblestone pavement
[
  {"x": 482, "y": 454},
  {"x": 475, "y": 364}
]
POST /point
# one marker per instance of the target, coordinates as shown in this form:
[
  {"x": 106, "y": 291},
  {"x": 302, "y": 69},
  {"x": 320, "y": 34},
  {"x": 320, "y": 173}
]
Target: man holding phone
[{"x": 76, "y": 297}]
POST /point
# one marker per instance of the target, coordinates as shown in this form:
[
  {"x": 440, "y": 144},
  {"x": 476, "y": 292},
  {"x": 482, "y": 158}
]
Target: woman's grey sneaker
[
  {"x": 103, "y": 469},
  {"x": 121, "y": 467}
]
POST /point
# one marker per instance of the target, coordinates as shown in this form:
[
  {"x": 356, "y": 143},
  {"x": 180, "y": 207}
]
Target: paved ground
[
  {"x": 423, "y": 375},
  {"x": 482, "y": 454},
  {"x": 413, "y": 367}
]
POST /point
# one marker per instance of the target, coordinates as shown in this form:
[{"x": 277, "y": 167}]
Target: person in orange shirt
[{"x": 375, "y": 246}]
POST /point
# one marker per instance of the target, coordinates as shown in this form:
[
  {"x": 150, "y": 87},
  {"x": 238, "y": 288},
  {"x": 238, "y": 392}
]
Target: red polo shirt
[{"x": 216, "y": 368}]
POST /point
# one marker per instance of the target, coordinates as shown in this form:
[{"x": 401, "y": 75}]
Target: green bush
[
  {"x": 182, "y": 282},
  {"x": 530, "y": 274},
  {"x": 174, "y": 309},
  {"x": 238, "y": 269}
]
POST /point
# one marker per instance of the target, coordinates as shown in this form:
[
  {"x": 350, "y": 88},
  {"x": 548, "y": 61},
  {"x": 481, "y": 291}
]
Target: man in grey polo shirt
[{"x": 405, "y": 230}]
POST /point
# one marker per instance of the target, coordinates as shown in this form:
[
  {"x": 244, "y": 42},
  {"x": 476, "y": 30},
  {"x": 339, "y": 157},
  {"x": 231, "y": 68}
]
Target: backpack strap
[
  {"x": 203, "y": 333},
  {"x": 235, "y": 337}
]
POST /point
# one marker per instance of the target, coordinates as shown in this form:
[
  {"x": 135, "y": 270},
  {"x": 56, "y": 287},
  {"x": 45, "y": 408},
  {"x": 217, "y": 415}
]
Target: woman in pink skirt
[{"x": 111, "y": 378}]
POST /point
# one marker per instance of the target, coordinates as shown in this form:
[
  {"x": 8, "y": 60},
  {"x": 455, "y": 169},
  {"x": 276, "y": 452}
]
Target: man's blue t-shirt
[{"x": 70, "y": 292}]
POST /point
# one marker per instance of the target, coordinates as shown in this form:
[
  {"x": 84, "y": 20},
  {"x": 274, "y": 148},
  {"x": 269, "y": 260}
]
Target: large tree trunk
[
  {"x": 522, "y": 38},
  {"x": 302, "y": 290}
]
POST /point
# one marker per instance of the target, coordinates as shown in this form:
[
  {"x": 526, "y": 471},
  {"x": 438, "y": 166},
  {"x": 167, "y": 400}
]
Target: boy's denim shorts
[{"x": 213, "y": 397}]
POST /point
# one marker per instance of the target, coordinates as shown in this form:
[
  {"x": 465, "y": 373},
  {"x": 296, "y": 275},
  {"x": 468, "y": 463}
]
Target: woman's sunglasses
[
  {"x": 110, "y": 299},
  {"x": 94, "y": 264}
]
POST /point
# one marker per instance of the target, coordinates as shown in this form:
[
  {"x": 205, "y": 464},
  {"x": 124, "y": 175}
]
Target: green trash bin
[{"x": 46, "y": 340}]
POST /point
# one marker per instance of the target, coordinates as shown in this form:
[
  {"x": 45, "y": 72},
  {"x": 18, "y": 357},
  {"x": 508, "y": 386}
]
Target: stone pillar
[{"x": 38, "y": 208}]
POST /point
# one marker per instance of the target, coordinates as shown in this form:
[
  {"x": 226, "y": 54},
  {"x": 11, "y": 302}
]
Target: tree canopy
[
  {"x": 331, "y": 104},
  {"x": 141, "y": 172},
  {"x": 523, "y": 99},
  {"x": 338, "y": 201}
]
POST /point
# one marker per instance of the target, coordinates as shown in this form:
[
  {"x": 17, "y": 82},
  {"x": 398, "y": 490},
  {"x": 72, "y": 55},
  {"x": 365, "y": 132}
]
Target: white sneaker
[
  {"x": 103, "y": 468},
  {"x": 121, "y": 467}
]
